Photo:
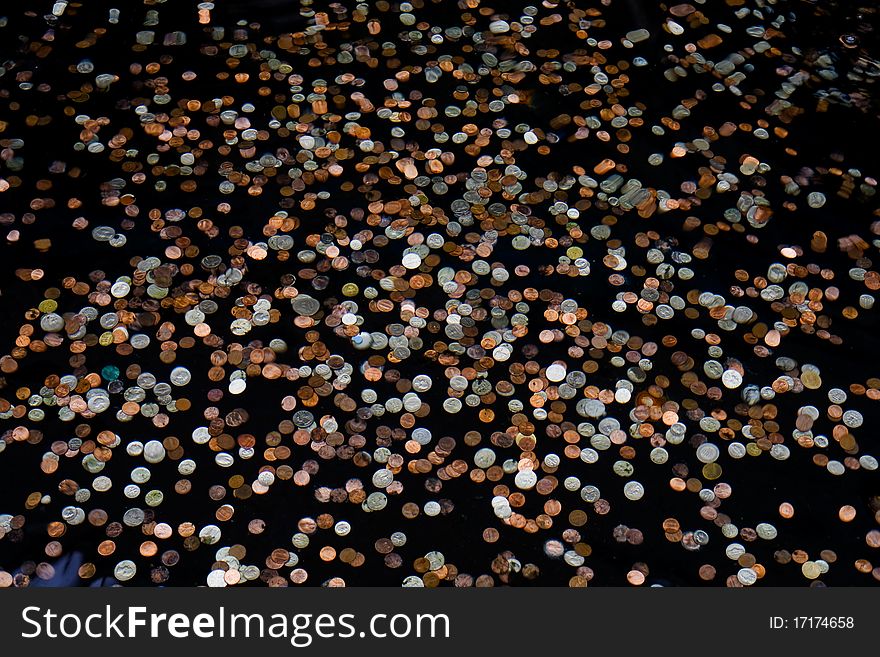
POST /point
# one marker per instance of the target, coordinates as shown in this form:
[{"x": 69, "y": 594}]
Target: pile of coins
[{"x": 435, "y": 294}]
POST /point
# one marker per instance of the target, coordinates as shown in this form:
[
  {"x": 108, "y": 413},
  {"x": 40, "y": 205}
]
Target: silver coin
[
  {"x": 125, "y": 570},
  {"x": 525, "y": 479},
  {"x": 623, "y": 468},
  {"x": 383, "y": 478},
  {"x": 734, "y": 551},
  {"x": 708, "y": 453},
  {"x": 766, "y": 531},
  {"x": 852, "y": 419},
  {"x": 154, "y": 451},
  {"x": 633, "y": 490},
  {"x": 209, "y": 534},
  {"x": 133, "y": 517},
  {"x": 484, "y": 458},
  {"x": 305, "y": 305},
  {"x": 835, "y": 467},
  {"x": 747, "y": 576},
  {"x": 217, "y": 579}
]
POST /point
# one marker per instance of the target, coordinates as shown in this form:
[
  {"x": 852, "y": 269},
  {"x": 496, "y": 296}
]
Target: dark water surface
[{"x": 759, "y": 484}]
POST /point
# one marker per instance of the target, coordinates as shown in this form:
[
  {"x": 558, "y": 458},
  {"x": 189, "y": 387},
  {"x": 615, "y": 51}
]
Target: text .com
[{"x": 299, "y": 629}]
